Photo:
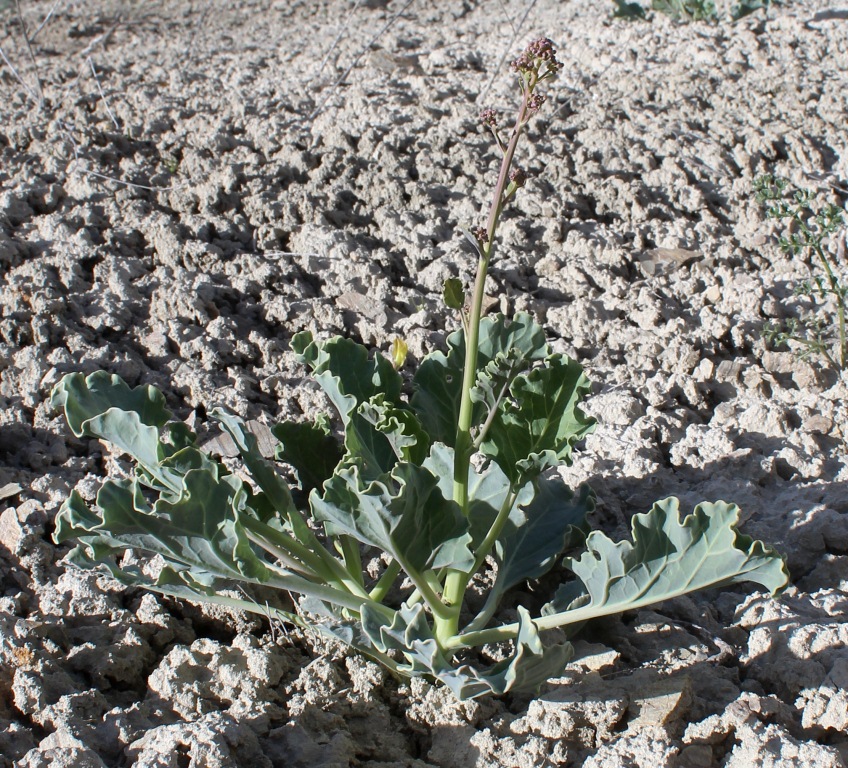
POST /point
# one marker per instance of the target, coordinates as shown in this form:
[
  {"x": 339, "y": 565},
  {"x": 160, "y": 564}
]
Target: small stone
[
  {"x": 817, "y": 424},
  {"x": 729, "y": 370},
  {"x": 697, "y": 756},
  {"x": 704, "y": 371},
  {"x": 11, "y": 531},
  {"x": 779, "y": 362},
  {"x": 661, "y": 703},
  {"x": 805, "y": 376},
  {"x": 713, "y": 294}
]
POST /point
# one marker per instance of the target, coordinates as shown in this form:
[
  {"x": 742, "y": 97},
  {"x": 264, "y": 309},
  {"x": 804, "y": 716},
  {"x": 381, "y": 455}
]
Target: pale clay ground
[{"x": 202, "y": 182}]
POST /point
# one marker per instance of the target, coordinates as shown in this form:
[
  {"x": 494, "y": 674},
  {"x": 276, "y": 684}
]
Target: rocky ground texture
[{"x": 185, "y": 185}]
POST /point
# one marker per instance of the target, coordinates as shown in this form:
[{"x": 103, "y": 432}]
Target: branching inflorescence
[{"x": 449, "y": 481}]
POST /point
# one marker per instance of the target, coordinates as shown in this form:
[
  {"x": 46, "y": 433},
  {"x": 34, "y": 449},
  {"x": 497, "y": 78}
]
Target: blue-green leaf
[
  {"x": 104, "y": 406},
  {"x": 404, "y": 514},
  {"x": 488, "y": 490},
  {"x": 198, "y": 529},
  {"x": 404, "y": 433},
  {"x": 534, "y": 537},
  {"x": 667, "y": 558},
  {"x": 438, "y": 382},
  {"x": 310, "y": 448},
  {"x": 346, "y": 373},
  {"x": 351, "y": 378},
  {"x": 530, "y": 664},
  {"x": 262, "y": 471},
  {"x": 538, "y": 425}
]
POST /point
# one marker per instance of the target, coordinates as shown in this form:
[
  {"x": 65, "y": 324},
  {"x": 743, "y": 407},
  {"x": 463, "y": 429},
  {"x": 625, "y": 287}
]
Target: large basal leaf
[
  {"x": 438, "y": 381},
  {"x": 351, "y": 378},
  {"x": 552, "y": 522},
  {"x": 537, "y": 426},
  {"x": 262, "y": 471},
  {"x": 667, "y": 558},
  {"x": 534, "y": 537},
  {"x": 530, "y": 664},
  {"x": 403, "y": 431},
  {"x": 198, "y": 529},
  {"x": 84, "y": 398},
  {"x": 403, "y": 514}
]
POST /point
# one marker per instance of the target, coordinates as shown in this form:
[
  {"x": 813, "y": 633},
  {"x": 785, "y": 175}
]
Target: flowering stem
[
  {"x": 456, "y": 581},
  {"x": 469, "y": 377}
]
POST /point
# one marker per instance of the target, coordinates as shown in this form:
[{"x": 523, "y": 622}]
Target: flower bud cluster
[
  {"x": 539, "y": 53},
  {"x": 481, "y": 234},
  {"x": 489, "y": 117},
  {"x": 534, "y": 104},
  {"x": 518, "y": 177}
]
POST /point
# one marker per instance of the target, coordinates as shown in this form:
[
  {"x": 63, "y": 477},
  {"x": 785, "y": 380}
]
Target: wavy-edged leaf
[
  {"x": 403, "y": 514},
  {"x": 552, "y": 523},
  {"x": 534, "y": 537},
  {"x": 200, "y": 535},
  {"x": 667, "y": 558},
  {"x": 438, "y": 381},
  {"x": 488, "y": 490},
  {"x": 401, "y": 428},
  {"x": 351, "y": 378},
  {"x": 494, "y": 379},
  {"x": 84, "y": 398},
  {"x": 103, "y": 405},
  {"x": 530, "y": 664},
  {"x": 538, "y": 425},
  {"x": 198, "y": 529},
  {"x": 346, "y": 373},
  {"x": 310, "y": 448}
]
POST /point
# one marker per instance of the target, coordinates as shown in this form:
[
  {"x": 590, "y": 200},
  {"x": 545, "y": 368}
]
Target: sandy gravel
[{"x": 201, "y": 182}]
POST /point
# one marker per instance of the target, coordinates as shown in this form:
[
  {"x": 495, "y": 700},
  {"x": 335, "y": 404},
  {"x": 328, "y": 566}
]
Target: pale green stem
[
  {"x": 495, "y": 531},
  {"x": 385, "y": 582},
  {"x": 441, "y": 612},
  {"x": 318, "y": 560},
  {"x": 457, "y": 581},
  {"x": 565, "y": 618},
  {"x": 283, "y": 556},
  {"x": 352, "y": 558},
  {"x": 463, "y": 445}
]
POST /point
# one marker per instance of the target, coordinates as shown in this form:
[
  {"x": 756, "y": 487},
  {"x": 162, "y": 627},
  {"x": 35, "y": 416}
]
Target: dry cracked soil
[{"x": 185, "y": 185}]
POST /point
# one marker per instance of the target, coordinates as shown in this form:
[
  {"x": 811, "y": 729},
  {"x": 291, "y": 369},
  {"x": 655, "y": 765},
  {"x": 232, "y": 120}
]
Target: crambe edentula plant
[{"x": 446, "y": 483}]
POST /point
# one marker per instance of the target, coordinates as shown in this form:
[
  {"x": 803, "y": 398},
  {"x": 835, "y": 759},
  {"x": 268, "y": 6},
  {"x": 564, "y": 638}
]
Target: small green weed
[
  {"x": 687, "y": 10},
  {"x": 810, "y": 226}
]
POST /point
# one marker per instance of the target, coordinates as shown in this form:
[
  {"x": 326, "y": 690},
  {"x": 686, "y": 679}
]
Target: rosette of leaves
[
  {"x": 444, "y": 483},
  {"x": 386, "y": 486}
]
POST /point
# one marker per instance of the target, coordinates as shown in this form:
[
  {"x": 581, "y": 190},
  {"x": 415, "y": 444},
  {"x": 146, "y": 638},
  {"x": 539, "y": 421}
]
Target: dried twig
[
  {"x": 31, "y": 55},
  {"x": 102, "y": 95},
  {"x": 516, "y": 29},
  {"x": 46, "y": 19},
  {"x": 366, "y": 47},
  {"x": 339, "y": 36},
  {"x": 31, "y": 93}
]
